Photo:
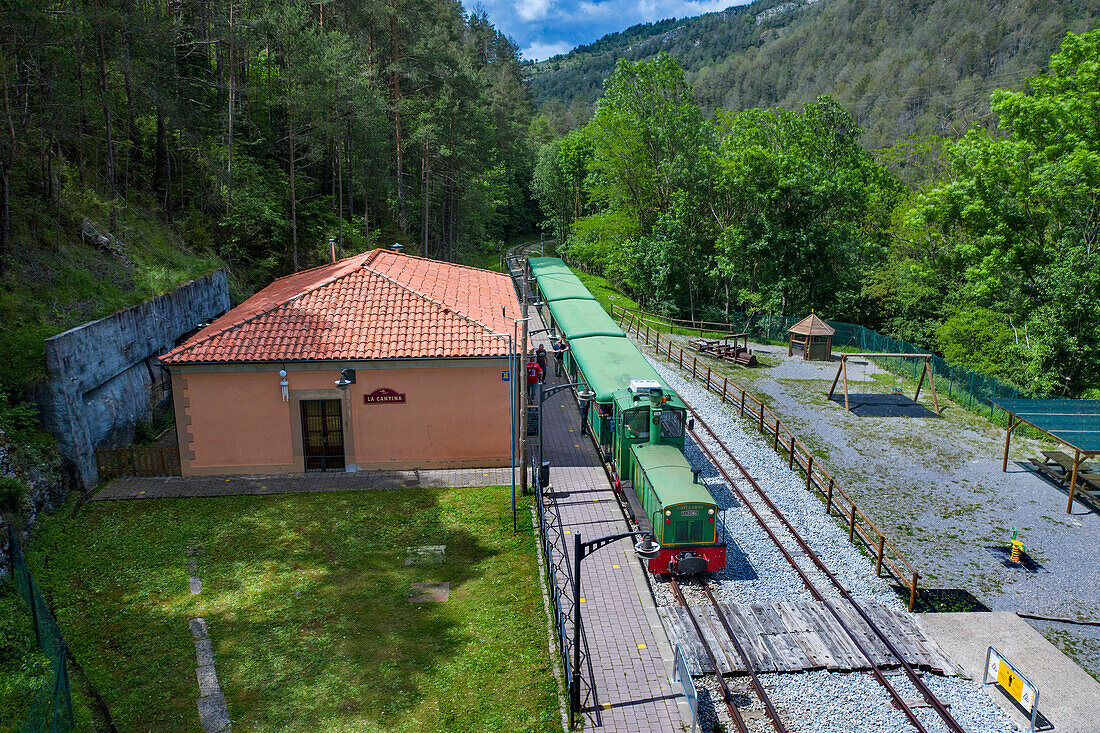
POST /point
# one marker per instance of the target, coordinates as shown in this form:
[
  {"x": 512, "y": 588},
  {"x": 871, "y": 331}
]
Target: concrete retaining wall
[{"x": 103, "y": 374}]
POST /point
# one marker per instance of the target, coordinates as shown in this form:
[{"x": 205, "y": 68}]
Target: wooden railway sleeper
[{"x": 923, "y": 688}]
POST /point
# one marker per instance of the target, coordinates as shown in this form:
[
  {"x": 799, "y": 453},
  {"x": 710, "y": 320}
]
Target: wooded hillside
[
  {"x": 989, "y": 258},
  {"x": 243, "y": 132},
  {"x": 899, "y": 66}
]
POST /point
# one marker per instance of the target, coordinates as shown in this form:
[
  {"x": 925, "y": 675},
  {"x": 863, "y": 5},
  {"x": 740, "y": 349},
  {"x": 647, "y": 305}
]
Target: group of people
[{"x": 537, "y": 367}]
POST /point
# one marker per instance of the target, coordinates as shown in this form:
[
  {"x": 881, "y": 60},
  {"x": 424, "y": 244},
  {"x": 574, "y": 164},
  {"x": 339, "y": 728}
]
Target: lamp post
[
  {"x": 511, "y": 415},
  {"x": 513, "y": 397},
  {"x": 646, "y": 548}
]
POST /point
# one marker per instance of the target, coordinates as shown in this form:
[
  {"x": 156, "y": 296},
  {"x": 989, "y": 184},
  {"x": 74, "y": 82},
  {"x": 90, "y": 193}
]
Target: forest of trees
[
  {"x": 987, "y": 255},
  {"x": 262, "y": 128},
  {"x": 900, "y": 67}
]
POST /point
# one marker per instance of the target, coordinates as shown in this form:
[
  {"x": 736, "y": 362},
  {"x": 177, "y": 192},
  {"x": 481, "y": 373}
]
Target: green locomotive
[{"x": 638, "y": 422}]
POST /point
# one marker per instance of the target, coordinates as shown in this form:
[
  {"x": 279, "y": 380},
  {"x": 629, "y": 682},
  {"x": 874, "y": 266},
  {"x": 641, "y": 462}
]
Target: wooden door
[{"x": 322, "y": 435}]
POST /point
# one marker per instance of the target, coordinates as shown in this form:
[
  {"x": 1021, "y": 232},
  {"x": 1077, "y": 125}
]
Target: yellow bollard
[{"x": 1017, "y": 546}]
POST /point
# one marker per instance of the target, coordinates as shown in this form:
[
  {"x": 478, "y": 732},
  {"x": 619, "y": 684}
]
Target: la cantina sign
[{"x": 383, "y": 395}]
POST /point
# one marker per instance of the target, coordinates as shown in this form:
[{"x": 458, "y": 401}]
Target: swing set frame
[{"x": 842, "y": 371}]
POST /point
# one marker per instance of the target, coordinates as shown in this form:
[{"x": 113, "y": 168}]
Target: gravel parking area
[
  {"x": 756, "y": 571},
  {"x": 935, "y": 487}
]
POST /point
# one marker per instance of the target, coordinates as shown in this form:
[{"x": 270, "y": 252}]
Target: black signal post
[{"x": 646, "y": 548}]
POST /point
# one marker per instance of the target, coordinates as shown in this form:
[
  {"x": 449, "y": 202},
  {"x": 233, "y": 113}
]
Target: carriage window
[
  {"x": 672, "y": 423},
  {"x": 637, "y": 423}
]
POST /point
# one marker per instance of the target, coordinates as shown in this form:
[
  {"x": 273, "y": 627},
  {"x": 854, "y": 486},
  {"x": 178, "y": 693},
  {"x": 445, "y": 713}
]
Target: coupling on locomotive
[{"x": 639, "y": 424}]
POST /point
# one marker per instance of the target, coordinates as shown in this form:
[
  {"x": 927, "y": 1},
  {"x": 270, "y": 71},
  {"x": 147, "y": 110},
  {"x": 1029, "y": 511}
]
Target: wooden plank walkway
[
  {"x": 788, "y": 637},
  {"x": 631, "y": 660}
]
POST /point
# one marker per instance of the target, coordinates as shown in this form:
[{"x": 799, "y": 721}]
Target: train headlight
[
  {"x": 668, "y": 513},
  {"x": 710, "y": 511}
]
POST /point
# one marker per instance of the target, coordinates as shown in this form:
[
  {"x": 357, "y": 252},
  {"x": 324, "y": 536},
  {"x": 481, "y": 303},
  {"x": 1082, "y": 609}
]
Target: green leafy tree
[
  {"x": 1021, "y": 218},
  {"x": 803, "y": 208}
]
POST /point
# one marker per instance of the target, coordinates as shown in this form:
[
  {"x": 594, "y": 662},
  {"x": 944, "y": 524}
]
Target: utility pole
[{"x": 523, "y": 371}]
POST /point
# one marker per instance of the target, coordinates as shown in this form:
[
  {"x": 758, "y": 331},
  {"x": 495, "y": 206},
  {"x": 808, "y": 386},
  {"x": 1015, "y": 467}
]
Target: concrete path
[
  {"x": 631, "y": 660},
  {"x": 213, "y": 711},
  {"x": 175, "y": 487},
  {"x": 1068, "y": 697}
]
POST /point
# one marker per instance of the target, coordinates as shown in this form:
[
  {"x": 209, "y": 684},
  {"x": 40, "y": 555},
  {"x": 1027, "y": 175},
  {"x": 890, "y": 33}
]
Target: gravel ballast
[{"x": 756, "y": 571}]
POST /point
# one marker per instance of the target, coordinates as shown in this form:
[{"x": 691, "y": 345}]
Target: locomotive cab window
[
  {"x": 637, "y": 423},
  {"x": 672, "y": 424}
]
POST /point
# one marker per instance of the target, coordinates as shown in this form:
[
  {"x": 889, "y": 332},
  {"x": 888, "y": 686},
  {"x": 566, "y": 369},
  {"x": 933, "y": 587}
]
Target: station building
[{"x": 381, "y": 360}]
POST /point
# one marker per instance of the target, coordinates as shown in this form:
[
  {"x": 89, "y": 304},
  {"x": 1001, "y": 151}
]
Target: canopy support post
[
  {"x": 1073, "y": 479},
  {"x": 1012, "y": 424}
]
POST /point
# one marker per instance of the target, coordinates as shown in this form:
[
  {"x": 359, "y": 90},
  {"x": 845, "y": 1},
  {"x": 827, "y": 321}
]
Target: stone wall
[{"x": 104, "y": 376}]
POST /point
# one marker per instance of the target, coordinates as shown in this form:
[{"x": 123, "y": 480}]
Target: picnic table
[
  {"x": 704, "y": 345},
  {"x": 723, "y": 349},
  {"x": 1059, "y": 467}
]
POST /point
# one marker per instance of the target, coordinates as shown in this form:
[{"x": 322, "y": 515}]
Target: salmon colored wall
[{"x": 236, "y": 422}]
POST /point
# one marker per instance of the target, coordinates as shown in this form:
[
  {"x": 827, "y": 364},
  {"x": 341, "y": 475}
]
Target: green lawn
[{"x": 305, "y": 597}]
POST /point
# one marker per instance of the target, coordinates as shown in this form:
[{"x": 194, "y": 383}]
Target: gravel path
[
  {"x": 757, "y": 572},
  {"x": 935, "y": 487}
]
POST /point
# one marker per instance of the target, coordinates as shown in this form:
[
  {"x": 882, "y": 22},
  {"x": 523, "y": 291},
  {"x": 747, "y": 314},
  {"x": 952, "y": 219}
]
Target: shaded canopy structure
[
  {"x": 814, "y": 335},
  {"x": 1075, "y": 423}
]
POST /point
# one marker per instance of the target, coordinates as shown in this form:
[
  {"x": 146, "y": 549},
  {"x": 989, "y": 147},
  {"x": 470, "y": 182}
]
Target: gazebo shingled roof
[{"x": 812, "y": 325}]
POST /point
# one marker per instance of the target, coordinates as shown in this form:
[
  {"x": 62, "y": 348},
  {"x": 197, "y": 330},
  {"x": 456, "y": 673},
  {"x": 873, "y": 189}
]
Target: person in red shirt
[{"x": 534, "y": 377}]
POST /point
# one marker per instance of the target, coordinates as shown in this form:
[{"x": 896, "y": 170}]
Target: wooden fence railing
[
  {"x": 784, "y": 441},
  {"x": 138, "y": 460},
  {"x": 664, "y": 321}
]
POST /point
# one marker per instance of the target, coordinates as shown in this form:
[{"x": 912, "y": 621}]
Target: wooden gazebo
[{"x": 814, "y": 336}]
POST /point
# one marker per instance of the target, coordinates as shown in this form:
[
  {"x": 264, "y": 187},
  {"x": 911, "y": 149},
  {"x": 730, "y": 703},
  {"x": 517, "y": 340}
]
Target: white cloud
[
  {"x": 530, "y": 10},
  {"x": 539, "y": 51}
]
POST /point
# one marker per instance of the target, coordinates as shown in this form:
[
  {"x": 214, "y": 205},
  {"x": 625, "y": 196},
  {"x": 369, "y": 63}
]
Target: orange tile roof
[{"x": 376, "y": 305}]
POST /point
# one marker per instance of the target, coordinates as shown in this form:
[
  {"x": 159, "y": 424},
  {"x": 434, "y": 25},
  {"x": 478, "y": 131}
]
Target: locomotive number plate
[{"x": 689, "y": 513}]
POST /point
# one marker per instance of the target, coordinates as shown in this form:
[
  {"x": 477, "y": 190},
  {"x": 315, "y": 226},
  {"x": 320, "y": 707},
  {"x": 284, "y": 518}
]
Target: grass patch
[
  {"x": 604, "y": 292},
  {"x": 305, "y": 596}
]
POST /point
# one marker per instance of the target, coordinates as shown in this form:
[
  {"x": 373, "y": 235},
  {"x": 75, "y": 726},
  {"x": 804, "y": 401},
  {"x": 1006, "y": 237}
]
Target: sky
[{"x": 544, "y": 28}]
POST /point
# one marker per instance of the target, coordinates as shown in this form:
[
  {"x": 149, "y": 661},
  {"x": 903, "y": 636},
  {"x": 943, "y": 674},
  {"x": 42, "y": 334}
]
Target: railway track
[
  {"x": 763, "y": 509},
  {"x": 727, "y": 695}
]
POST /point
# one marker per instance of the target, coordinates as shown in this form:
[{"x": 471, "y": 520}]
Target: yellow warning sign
[{"x": 1019, "y": 688}]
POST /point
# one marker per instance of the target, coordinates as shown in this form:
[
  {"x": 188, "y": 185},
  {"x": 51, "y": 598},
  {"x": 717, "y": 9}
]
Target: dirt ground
[{"x": 935, "y": 487}]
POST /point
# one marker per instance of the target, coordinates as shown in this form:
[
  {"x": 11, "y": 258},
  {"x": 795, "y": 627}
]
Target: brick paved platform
[
  {"x": 630, "y": 656},
  {"x": 205, "y": 486}
]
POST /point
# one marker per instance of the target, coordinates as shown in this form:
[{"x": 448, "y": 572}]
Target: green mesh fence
[
  {"x": 966, "y": 387},
  {"x": 52, "y": 708}
]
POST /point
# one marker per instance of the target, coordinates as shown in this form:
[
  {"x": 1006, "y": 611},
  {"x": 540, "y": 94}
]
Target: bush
[{"x": 12, "y": 493}]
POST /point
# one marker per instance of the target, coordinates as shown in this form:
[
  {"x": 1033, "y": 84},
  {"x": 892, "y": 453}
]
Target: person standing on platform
[
  {"x": 560, "y": 347},
  {"x": 534, "y": 377},
  {"x": 540, "y": 357}
]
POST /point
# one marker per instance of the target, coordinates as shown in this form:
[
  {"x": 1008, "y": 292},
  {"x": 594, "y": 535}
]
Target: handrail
[{"x": 798, "y": 455}]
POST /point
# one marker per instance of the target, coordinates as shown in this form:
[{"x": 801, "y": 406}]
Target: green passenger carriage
[{"x": 638, "y": 422}]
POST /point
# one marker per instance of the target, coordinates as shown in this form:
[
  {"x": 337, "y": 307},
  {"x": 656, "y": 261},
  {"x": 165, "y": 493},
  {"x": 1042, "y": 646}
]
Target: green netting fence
[
  {"x": 52, "y": 707},
  {"x": 966, "y": 387}
]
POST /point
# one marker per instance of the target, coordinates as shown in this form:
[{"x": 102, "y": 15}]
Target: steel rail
[
  {"x": 923, "y": 688},
  {"x": 773, "y": 714},
  {"x": 727, "y": 696}
]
